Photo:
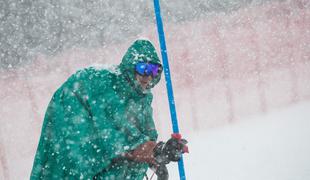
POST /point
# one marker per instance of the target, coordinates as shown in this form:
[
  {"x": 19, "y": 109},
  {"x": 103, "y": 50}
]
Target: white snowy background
[{"x": 240, "y": 71}]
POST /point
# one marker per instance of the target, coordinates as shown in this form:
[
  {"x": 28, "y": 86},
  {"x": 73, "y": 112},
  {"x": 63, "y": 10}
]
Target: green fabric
[{"x": 93, "y": 118}]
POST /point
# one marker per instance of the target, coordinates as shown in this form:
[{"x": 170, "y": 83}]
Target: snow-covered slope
[{"x": 274, "y": 146}]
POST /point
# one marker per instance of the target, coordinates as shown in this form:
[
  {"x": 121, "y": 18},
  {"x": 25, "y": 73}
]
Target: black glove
[
  {"x": 172, "y": 150},
  {"x": 164, "y": 153},
  {"x": 161, "y": 172}
]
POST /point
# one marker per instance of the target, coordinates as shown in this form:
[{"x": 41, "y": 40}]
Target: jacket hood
[{"x": 139, "y": 51}]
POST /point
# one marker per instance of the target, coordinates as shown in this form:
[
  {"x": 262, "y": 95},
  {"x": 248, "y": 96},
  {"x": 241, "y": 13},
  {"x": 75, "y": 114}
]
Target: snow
[
  {"x": 273, "y": 146},
  {"x": 240, "y": 70},
  {"x": 109, "y": 67}
]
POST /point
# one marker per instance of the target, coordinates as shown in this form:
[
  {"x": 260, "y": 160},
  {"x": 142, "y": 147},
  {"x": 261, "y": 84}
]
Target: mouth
[
  {"x": 144, "y": 84},
  {"x": 144, "y": 81}
]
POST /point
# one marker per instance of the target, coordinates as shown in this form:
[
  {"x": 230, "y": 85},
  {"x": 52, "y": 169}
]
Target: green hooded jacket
[{"x": 95, "y": 117}]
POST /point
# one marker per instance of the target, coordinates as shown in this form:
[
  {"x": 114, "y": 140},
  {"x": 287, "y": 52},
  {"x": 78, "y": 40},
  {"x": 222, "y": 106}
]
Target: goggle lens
[{"x": 147, "y": 69}]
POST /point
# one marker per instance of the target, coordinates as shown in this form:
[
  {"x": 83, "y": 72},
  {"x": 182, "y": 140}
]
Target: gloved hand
[
  {"x": 172, "y": 150},
  {"x": 164, "y": 153},
  {"x": 143, "y": 153}
]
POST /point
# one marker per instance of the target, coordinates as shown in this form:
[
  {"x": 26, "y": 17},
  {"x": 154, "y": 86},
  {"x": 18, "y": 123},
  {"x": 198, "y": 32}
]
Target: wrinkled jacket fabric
[{"x": 93, "y": 118}]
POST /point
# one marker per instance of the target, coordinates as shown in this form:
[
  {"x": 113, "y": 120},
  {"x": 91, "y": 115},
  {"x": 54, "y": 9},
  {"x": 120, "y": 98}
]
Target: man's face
[{"x": 144, "y": 80}]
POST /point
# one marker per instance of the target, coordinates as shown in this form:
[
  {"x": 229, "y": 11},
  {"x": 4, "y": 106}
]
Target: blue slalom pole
[{"x": 173, "y": 114}]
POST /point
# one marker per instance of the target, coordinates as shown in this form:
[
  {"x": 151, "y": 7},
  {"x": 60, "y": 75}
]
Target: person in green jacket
[{"x": 99, "y": 123}]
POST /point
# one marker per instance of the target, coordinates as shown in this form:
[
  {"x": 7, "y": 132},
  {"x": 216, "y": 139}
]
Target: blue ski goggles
[{"x": 147, "y": 69}]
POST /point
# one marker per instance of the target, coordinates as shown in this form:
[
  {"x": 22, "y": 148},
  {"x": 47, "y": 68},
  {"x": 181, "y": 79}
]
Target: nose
[{"x": 147, "y": 77}]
